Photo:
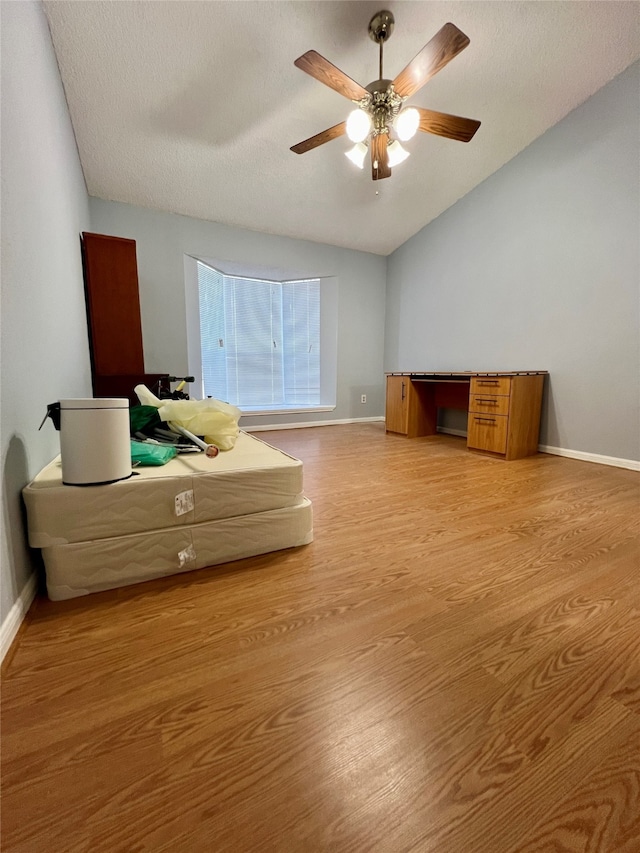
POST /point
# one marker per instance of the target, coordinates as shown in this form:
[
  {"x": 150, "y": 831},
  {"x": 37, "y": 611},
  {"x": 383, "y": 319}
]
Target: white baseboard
[
  {"x": 599, "y": 459},
  {"x": 17, "y": 613},
  {"x": 303, "y": 425}
]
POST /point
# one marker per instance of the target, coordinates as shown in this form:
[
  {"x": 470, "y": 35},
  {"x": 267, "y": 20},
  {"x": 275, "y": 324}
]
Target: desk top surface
[{"x": 466, "y": 374}]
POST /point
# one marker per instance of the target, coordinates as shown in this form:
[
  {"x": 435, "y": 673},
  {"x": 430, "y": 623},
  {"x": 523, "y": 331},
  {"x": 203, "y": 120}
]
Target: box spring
[
  {"x": 191, "y": 513},
  {"x": 84, "y": 567}
]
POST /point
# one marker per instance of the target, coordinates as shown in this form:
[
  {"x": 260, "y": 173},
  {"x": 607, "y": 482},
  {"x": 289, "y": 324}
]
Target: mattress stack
[{"x": 191, "y": 513}]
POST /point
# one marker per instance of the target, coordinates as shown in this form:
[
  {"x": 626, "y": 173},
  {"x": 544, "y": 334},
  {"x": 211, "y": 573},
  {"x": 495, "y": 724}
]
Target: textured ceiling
[{"x": 191, "y": 107}]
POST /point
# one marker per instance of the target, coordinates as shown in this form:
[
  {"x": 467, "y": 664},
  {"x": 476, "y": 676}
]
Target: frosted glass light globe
[
  {"x": 396, "y": 153},
  {"x": 406, "y": 123},
  {"x": 357, "y": 154},
  {"x": 358, "y": 125}
]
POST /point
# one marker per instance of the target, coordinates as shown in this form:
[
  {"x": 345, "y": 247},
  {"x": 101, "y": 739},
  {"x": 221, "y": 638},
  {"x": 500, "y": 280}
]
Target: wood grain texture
[
  {"x": 443, "y": 124},
  {"x": 452, "y": 665},
  {"x": 411, "y": 407},
  {"x": 396, "y": 404},
  {"x": 320, "y": 138},
  {"x": 503, "y": 410},
  {"x": 380, "y": 168},
  {"x": 488, "y": 404},
  {"x": 113, "y": 305},
  {"x": 447, "y": 43},
  {"x": 525, "y": 404},
  {"x": 487, "y": 432},
  {"x": 491, "y": 385},
  {"x": 326, "y": 72}
]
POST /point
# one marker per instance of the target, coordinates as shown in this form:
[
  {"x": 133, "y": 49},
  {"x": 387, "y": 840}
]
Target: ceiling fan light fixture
[
  {"x": 357, "y": 154},
  {"x": 396, "y": 153},
  {"x": 378, "y": 118},
  {"x": 358, "y": 125},
  {"x": 406, "y": 123}
]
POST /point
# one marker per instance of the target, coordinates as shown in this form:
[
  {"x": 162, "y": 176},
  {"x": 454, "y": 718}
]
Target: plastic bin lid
[{"x": 96, "y": 403}]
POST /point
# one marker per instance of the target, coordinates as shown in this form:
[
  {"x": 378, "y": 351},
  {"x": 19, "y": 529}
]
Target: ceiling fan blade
[
  {"x": 447, "y": 43},
  {"x": 380, "y": 157},
  {"x": 324, "y": 71},
  {"x": 442, "y": 124},
  {"x": 320, "y": 138}
]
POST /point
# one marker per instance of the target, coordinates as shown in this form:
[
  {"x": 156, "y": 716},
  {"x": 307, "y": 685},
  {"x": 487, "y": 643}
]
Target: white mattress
[
  {"x": 84, "y": 567},
  {"x": 191, "y": 489}
]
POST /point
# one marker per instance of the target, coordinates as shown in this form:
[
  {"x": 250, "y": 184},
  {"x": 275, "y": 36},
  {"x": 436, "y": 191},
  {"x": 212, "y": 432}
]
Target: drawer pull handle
[
  {"x": 488, "y": 382},
  {"x": 402, "y": 391},
  {"x": 487, "y": 402},
  {"x": 488, "y": 420}
]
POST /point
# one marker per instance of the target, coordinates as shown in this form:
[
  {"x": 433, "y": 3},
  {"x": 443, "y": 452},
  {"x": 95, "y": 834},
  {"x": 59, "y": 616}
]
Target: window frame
[{"x": 328, "y": 329}]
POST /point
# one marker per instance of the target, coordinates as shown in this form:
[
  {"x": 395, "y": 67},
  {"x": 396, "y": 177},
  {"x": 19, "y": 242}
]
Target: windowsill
[{"x": 287, "y": 411}]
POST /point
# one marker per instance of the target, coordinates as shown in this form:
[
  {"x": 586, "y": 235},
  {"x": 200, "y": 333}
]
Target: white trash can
[{"x": 95, "y": 443}]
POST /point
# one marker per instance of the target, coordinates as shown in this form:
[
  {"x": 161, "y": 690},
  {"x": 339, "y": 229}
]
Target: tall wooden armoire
[{"x": 113, "y": 314}]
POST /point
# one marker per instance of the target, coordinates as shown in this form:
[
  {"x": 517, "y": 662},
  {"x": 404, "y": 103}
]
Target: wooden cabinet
[
  {"x": 488, "y": 422},
  {"x": 113, "y": 314},
  {"x": 397, "y": 405},
  {"x": 113, "y": 304},
  {"x": 411, "y": 407},
  {"x": 503, "y": 408},
  {"x": 504, "y": 414}
]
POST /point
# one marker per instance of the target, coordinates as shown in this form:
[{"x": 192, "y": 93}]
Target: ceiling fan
[{"x": 380, "y": 105}]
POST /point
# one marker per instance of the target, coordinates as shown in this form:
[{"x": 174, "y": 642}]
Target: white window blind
[{"x": 260, "y": 340}]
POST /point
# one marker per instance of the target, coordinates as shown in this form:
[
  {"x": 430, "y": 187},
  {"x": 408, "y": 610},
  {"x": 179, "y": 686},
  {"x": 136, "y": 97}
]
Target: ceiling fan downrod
[
  {"x": 380, "y": 28},
  {"x": 382, "y": 104}
]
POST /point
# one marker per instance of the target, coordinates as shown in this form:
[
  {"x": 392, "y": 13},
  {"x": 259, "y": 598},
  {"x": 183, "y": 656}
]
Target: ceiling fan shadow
[{"x": 216, "y": 108}]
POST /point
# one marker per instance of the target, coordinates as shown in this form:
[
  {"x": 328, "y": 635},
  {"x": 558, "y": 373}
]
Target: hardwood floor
[{"x": 453, "y": 666}]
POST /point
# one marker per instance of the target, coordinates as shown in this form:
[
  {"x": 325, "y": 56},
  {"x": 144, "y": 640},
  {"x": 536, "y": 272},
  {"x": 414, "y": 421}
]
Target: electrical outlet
[{"x": 363, "y": 398}]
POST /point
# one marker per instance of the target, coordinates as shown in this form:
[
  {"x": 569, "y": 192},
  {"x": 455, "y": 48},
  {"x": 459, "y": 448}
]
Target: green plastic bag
[
  {"x": 143, "y": 419},
  {"x": 143, "y": 453}
]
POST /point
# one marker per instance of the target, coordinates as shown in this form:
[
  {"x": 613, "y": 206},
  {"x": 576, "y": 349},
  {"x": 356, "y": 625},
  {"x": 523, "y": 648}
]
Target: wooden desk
[{"x": 503, "y": 408}]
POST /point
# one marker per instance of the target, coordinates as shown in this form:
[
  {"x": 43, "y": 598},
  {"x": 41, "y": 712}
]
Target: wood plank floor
[{"x": 453, "y": 666}]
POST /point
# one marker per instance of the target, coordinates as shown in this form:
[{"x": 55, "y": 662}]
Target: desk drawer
[
  {"x": 487, "y": 432},
  {"x": 489, "y": 404},
  {"x": 491, "y": 385}
]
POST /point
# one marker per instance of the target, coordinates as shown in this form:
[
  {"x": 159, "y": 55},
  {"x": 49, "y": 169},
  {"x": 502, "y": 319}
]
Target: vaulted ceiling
[{"x": 191, "y": 107}]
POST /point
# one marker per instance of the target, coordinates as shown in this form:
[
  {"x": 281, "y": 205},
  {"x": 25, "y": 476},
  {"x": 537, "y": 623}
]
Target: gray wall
[
  {"x": 162, "y": 240},
  {"x": 44, "y": 331},
  {"x": 538, "y": 268}
]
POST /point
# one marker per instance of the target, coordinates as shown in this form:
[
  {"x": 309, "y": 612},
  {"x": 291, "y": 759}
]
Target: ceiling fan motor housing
[{"x": 383, "y": 104}]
